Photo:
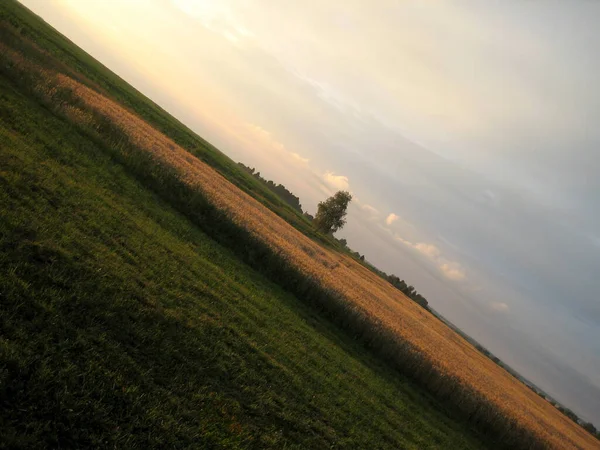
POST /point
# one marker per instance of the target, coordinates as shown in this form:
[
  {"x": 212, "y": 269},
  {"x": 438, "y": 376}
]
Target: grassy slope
[
  {"x": 99, "y": 77},
  {"x": 122, "y": 324}
]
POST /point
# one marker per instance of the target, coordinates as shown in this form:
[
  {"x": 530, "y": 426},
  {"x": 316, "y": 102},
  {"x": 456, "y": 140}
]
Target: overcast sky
[{"x": 466, "y": 131}]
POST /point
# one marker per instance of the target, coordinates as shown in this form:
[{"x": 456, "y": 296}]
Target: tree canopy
[
  {"x": 278, "y": 189},
  {"x": 331, "y": 213}
]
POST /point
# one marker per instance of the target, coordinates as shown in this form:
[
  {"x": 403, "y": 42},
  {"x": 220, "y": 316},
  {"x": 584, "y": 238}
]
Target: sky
[{"x": 466, "y": 132}]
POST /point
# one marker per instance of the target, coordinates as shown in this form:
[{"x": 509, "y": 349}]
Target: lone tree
[{"x": 331, "y": 214}]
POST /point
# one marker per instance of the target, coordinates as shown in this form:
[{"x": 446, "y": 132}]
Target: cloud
[
  {"x": 336, "y": 181},
  {"x": 300, "y": 159},
  {"x": 499, "y": 306},
  {"x": 452, "y": 270},
  {"x": 367, "y": 212},
  {"x": 429, "y": 250},
  {"x": 217, "y": 17},
  {"x": 260, "y": 140},
  {"x": 391, "y": 218},
  {"x": 370, "y": 209}
]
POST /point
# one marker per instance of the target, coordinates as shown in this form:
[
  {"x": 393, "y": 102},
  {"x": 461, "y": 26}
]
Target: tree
[
  {"x": 331, "y": 214},
  {"x": 590, "y": 427}
]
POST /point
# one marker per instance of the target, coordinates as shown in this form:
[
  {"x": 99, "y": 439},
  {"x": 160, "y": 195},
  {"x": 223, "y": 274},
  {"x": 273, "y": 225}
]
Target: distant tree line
[
  {"x": 588, "y": 426},
  {"x": 404, "y": 287},
  {"x": 489, "y": 354},
  {"x": 344, "y": 243},
  {"x": 408, "y": 290},
  {"x": 279, "y": 189}
]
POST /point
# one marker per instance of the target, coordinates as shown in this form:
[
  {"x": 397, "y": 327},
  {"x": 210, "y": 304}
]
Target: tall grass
[{"x": 347, "y": 293}]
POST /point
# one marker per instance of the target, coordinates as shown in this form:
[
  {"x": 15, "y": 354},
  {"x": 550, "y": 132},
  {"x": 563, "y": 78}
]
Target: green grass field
[{"x": 123, "y": 325}]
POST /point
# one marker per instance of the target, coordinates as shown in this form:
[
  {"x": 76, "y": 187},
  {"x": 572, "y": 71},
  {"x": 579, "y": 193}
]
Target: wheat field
[{"x": 407, "y": 335}]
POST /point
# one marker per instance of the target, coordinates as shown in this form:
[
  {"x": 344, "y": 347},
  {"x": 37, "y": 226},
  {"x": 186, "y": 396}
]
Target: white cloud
[
  {"x": 300, "y": 159},
  {"x": 391, "y": 218},
  {"x": 217, "y": 17},
  {"x": 258, "y": 139},
  {"x": 370, "y": 209},
  {"x": 429, "y": 250},
  {"x": 450, "y": 269},
  {"x": 336, "y": 181},
  {"x": 262, "y": 138},
  {"x": 453, "y": 271},
  {"x": 499, "y": 306}
]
